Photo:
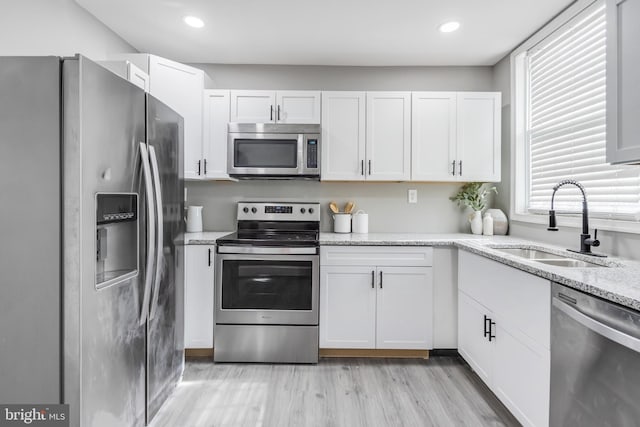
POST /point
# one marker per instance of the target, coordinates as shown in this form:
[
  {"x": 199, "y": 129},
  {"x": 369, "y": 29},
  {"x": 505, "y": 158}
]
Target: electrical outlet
[{"x": 412, "y": 196}]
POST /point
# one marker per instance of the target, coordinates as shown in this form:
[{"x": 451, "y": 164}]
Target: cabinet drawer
[
  {"x": 415, "y": 256},
  {"x": 520, "y": 300}
]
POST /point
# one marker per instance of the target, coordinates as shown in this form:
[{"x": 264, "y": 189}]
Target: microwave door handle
[
  {"x": 159, "y": 236},
  {"x": 302, "y": 153},
  {"x": 151, "y": 230}
]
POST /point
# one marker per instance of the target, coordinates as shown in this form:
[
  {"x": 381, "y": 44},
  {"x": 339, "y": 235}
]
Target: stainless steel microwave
[{"x": 273, "y": 151}]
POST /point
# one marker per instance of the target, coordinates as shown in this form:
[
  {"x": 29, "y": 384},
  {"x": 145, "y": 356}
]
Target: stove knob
[
  {"x": 254, "y": 210},
  {"x": 302, "y": 210},
  {"x": 245, "y": 210},
  {"x": 310, "y": 210}
]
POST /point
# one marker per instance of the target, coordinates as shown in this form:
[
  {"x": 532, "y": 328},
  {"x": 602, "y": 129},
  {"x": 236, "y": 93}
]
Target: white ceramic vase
[{"x": 475, "y": 219}]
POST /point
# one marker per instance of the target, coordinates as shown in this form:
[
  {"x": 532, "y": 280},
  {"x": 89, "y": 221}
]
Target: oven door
[
  {"x": 265, "y": 154},
  {"x": 267, "y": 289}
]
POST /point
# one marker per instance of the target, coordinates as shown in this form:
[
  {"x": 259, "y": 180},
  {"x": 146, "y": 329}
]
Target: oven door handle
[
  {"x": 267, "y": 250},
  {"x": 599, "y": 328}
]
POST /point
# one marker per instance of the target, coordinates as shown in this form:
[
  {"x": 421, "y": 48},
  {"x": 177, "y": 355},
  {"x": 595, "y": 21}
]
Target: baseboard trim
[
  {"x": 357, "y": 352},
  {"x": 198, "y": 352}
]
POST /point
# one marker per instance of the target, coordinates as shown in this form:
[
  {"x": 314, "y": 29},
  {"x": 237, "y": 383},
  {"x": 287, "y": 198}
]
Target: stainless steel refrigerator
[{"x": 91, "y": 266}]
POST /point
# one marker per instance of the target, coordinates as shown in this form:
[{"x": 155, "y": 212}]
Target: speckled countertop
[
  {"x": 618, "y": 280},
  {"x": 204, "y": 238}
]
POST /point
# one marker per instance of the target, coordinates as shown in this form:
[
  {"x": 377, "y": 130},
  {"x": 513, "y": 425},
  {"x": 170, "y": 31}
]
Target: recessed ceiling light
[
  {"x": 193, "y": 21},
  {"x": 449, "y": 27}
]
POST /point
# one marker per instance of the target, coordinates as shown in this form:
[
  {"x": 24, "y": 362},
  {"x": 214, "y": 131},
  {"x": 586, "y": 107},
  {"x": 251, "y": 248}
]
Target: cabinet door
[
  {"x": 433, "y": 136},
  {"x": 347, "y": 307},
  {"x": 298, "y": 107},
  {"x": 473, "y": 346},
  {"x": 404, "y": 308},
  {"x": 198, "y": 298},
  {"x": 388, "y": 145},
  {"x": 343, "y": 136},
  {"x": 138, "y": 77},
  {"x": 623, "y": 81},
  {"x": 478, "y": 136},
  {"x": 216, "y": 119},
  {"x": 253, "y": 106},
  {"x": 521, "y": 376},
  {"x": 181, "y": 87}
]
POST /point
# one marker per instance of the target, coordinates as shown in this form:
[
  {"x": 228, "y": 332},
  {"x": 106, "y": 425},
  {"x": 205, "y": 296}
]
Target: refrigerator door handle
[
  {"x": 151, "y": 232},
  {"x": 159, "y": 235}
]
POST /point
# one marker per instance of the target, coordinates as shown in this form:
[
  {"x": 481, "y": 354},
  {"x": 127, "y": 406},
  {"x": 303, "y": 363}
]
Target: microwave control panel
[{"x": 312, "y": 153}]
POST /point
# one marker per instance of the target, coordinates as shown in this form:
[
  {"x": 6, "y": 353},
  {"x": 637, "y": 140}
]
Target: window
[{"x": 560, "y": 114}]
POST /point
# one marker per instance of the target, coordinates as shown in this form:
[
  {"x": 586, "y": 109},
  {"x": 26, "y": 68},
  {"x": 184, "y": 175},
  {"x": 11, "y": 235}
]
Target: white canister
[
  {"x": 342, "y": 223},
  {"x": 360, "y": 222},
  {"x": 487, "y": 224},
  {"x": 194, "y": 219}
]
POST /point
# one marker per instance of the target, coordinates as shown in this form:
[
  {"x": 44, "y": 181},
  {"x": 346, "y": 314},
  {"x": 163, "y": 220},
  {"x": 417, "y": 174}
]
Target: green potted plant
[{"x": 474, "y": 195}]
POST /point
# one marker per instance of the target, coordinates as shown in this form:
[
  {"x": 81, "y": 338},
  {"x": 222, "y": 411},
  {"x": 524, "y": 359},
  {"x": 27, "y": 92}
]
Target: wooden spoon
[
  {"x": 348, "y": 208},
  {"x": 334, "y": 207}
]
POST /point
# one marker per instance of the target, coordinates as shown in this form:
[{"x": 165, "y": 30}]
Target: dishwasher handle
[{"x": 598, "y": 327}]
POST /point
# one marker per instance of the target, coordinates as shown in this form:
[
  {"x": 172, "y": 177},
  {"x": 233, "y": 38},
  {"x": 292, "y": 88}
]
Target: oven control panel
[{"x": 277, "y": 211}]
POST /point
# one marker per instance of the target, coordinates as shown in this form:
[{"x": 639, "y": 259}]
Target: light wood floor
[{"x": 441, "y": 391}]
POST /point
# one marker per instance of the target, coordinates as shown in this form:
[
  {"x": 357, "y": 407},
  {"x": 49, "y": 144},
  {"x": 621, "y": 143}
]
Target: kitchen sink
[
  {"x": 568, "y": 262},
  {"x": 529, "y": 253},
  {"x": 548, "y": 258}
]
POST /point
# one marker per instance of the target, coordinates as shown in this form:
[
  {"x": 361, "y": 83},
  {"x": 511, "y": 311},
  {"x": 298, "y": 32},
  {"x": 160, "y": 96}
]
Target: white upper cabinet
[
  {"x": 623, "y": 81},
  {"x": 180, "y": 87},
  {"x": 433, "y": 136},
  {"x": 411, "y": 136},
  {"x": 478, "y": 136},
  {"x": 128, "y": 71},
  {"x": 366, "y": 136},
  {"x": 263, "y": 106},
  {"x": 253, "y": 106},
  {"x": 298, "y": 107},
  {"x": 214, "y": 146},
  {"x": 455, "y": 136},
  {"x": 388, "y": 146},
  {"x": 343, "y": 136}
]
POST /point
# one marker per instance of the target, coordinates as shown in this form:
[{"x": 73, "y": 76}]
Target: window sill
[{"x": 575, "y": 221}]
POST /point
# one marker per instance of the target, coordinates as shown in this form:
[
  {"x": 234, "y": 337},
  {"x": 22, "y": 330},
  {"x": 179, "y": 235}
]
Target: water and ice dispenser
[{"x": 117, "y": 238}]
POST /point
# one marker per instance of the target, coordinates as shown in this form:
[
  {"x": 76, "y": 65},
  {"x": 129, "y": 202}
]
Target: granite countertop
[
  {"x": 618, "y": 280},
  {"x": 204, "y": 237}
]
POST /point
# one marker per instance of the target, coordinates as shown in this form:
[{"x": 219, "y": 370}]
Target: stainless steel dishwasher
[{"x": 595, "y": 361}]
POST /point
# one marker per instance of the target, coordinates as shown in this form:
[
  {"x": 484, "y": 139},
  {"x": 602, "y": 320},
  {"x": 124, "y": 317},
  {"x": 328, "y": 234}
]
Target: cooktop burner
[
  {"x": 309, "y": 238},
  {"x": 275, "y": 224}
]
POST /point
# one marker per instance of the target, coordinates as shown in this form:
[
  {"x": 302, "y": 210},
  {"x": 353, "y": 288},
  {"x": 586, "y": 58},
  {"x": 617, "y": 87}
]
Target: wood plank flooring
[{"x": 441, "y": 391}]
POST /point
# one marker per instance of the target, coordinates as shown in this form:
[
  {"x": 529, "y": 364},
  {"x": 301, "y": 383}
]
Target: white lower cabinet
[
  {"x": 504, "y": 333},
  {"x": 198, "y": 298},
  {"x": 376, "y": 306}
]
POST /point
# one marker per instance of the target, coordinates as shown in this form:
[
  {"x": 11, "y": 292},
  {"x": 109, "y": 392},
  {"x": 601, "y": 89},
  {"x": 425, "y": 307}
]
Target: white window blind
[{"x": 566, "y": 132}]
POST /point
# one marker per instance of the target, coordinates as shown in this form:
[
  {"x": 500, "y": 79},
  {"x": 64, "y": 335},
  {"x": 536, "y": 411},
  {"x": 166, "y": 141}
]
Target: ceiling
[{"x": 327, "y": 32}]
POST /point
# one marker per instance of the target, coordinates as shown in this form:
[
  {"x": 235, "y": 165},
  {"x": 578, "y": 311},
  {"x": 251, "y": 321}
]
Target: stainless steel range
[{"x": 267, "y": 285}]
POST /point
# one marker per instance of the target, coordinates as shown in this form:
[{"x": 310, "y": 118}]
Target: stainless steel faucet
[{"x": 585, "y": 238}]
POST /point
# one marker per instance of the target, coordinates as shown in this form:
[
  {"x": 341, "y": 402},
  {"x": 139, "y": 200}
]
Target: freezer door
[
  {"x": 165, "y": 346},
  {"x": 104, "y": 342}
]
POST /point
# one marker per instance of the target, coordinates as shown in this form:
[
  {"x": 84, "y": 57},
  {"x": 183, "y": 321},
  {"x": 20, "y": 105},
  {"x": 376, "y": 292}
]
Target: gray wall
[
  {"x": 386, "y": 203},
  {"x": 55, "y": 27},
  {"x": 625, "y": 245},
  {"x": 293, "y": 77}
]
